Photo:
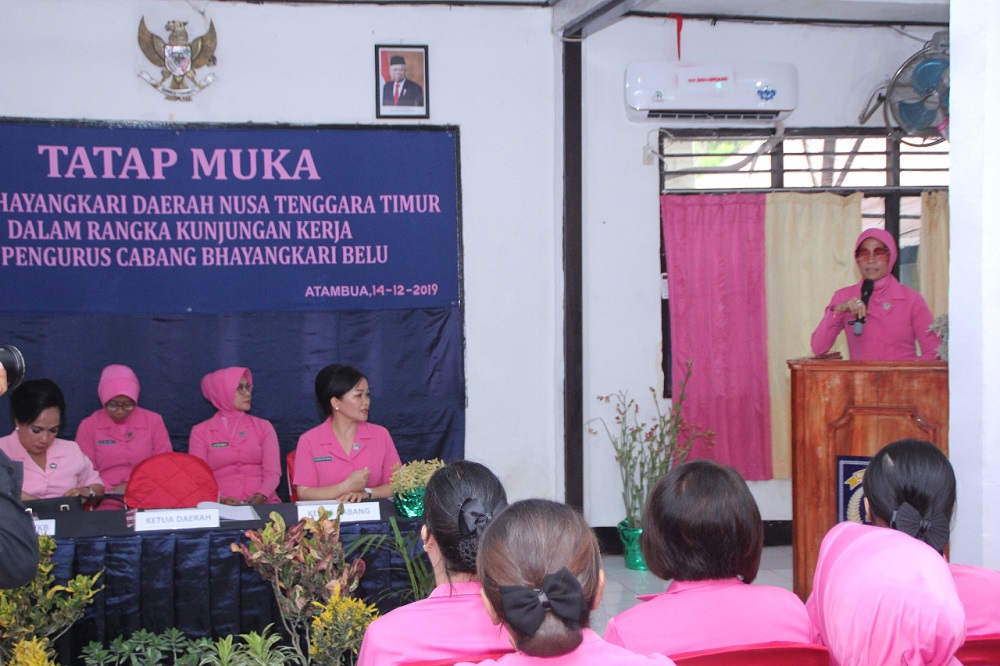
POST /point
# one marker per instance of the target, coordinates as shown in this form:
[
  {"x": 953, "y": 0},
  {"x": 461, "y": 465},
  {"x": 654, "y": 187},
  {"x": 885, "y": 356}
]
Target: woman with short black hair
[{"x": 702, "y": 530}]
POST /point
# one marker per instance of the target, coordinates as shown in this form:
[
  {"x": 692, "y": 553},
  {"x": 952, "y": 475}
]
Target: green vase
[
  {"x": 630, "y": 540},
  {"x": 410, "y": 504}
]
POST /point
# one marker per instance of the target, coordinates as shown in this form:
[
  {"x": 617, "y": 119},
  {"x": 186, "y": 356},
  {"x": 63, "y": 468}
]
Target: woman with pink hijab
[
  {"x": 894, "y": 316},
  {"x": 242, "y": 450},
  {"x": 121, "y": 434}
]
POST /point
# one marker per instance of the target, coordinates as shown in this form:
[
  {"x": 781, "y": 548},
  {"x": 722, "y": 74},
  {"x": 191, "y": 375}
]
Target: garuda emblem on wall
[{"x": 178, "y": 59}]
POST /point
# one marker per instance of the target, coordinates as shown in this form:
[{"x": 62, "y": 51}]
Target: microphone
[{"x": 866, "y": 293}]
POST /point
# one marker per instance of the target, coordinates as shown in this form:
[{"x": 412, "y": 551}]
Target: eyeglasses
[
  {"x": 123, "y": 406},
  {"x": 245, "y": 389},
  {"x": 878, "y": 253}
]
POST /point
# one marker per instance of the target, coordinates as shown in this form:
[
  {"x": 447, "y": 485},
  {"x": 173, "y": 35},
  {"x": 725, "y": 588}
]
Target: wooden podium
[{"x": 852, "y": 408}]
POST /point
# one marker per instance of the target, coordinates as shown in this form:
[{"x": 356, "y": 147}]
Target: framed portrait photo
[{"x": 401, "y": 82}]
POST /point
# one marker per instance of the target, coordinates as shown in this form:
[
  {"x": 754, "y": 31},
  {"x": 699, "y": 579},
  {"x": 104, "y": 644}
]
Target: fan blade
[
  {"x": 927, "y": 75},
  {"x": 917, "y": 115}
]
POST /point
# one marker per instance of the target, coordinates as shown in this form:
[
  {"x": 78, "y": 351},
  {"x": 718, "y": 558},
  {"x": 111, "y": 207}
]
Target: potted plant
[
  {"x": 408, "y": 482},
  {"x": 645, "y": 452},
  {"x": 337, "y": 630}
]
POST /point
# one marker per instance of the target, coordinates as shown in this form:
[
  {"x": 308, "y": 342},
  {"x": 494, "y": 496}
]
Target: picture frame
[{"x": 411, "y": 97}]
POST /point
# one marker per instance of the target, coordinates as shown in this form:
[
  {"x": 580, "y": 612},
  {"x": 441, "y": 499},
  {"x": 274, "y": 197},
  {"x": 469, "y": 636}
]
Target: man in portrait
[{"x": 399, "y": 90}]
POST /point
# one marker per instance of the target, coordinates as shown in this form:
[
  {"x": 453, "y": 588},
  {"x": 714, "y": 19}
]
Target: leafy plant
[
  {"x": 144, "y": 648},
  {"x": 338, "y": 630},
  {"x": 304, "y": 564},
  {"x": 940, "y": 326},
  {"x": 32, "y": 652},
  {"x": 407, "y": 547},
  {"x": 646, "y": 451},
  {"x": 42, "y": 609},
  {"x": 263, "y": 650},
  {"x": 414, "y": 475}
]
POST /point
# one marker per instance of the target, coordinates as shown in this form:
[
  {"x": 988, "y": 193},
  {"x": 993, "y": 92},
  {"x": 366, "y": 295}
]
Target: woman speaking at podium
[
  {"x": 882, "y": 319},
  {"x": 345, "y": 458}
]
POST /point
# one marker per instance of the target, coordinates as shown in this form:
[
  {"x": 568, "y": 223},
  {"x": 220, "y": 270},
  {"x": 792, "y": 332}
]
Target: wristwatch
[
  {"x": 369, "y": 491},
  {"x": 90, "y": 489}
]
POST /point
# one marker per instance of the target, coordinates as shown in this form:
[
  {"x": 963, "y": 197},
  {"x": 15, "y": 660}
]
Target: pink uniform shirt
[
  {"x": 451, "y": 622},
  {"x": 320, "y": 460},
  {"x": 593, "y": 650},
  {"x": 65, "y": 467},
  {"x": 116, "y": 448},
  {"x": 882, "y": 597},
  {"x": 242, "y": 451},
  {"x": 979, "y": 590},
  {"x": 705, "y": 614}
]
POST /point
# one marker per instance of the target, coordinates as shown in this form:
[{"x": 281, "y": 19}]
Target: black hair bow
[
  {"x": 524, "y": 607},
  {"x": 473, "y": 517},
  {"x": 933, "y": 529}
]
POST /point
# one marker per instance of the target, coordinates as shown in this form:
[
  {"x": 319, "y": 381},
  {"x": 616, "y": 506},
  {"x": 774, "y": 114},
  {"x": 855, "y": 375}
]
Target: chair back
[
  {"x": 761, "y": 654},
  {"x": 171, "y": 481},
  {"x": 980, "y": 651},
  {"x": 290, "y": 463}
]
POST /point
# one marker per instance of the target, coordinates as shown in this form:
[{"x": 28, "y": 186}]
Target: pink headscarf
[
  {"x": 885, "y": 238},
  {"x": 118, "y": 380},
  {"x": 219, "y": 388},
  {"x": 882, "y": 597}
]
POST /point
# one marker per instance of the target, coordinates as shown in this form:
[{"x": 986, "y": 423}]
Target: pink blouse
[
  {"x": 242, "y": 451},
  {"x": 320, "y": 460},
  {"x": 451, "y": 622},
  {"x": 593, "y": 650},
  {"x": 979, "y": 590},
  {"x": 116, "y": 448},
  {"x": 65, "y": 467},
  {"x": 709, "y": 614}
]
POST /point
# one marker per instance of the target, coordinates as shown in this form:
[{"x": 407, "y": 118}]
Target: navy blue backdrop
[{"x": 172, "y": 324}]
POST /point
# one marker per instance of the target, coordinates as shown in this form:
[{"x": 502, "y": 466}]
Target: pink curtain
[{"x": 715, "y": 266}]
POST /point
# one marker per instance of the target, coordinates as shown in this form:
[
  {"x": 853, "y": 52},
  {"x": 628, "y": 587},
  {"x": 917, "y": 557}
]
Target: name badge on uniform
[
  {"x": 105, "y": 442},
  {"x": 219, "y": 445},
  {"x": 323, "y": 459}
]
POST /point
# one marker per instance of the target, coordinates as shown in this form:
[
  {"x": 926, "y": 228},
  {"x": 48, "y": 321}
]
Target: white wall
[
  {"x": 838, "y": 69},
  {"x": 493, "y": 73}
]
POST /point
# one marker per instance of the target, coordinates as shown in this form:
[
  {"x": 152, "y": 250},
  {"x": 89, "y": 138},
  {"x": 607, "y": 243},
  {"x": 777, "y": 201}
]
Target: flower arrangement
[
  {"x": 338, "y": 629},
  {"x": 304, "y": 564},
  {"x": 646, "y": 451},
  {"x": 940, "y": 326},
  {"x": 414, "y": 475},
  {"x": 408, "y": 483}
]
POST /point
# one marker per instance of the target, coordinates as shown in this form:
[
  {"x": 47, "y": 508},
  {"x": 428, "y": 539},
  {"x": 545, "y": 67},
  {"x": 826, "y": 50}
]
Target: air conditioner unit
[{"x": 719, "y": 93}]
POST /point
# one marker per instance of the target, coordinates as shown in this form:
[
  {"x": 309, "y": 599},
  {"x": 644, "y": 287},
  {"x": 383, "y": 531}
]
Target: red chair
[
  {"x": 290, "y": 462},
  {"x": 450, "y": 661},
  {"x": 171, "y": 481},
  {"x": 761, "y": 654},
  {"x": 980, "y": 651}
]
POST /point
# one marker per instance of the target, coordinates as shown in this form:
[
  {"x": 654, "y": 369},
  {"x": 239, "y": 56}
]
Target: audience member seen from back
[
  {"x": 241, "y": 449},
  {"x": 910, "y": 486},
  {"x": 459, "y": 502},
  {"x": 540, "y": 568},
  {"x": 18, "y": 542},
  {"x": 121, "y": 434},
  {"x": 345, "y": 458},
  {"x": 881, "y": 596},
  {"x": 52, "y": 467},
  {"x": 702, "y": 530}
]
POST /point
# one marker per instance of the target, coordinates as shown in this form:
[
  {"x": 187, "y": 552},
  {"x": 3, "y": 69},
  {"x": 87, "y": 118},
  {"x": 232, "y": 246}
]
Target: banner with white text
[{"x": 164, "y": 219}]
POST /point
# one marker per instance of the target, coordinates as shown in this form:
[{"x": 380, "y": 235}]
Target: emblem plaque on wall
[{"x": 179, "y": 59}]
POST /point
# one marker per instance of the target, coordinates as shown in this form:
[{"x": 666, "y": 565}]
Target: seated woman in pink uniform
[
  {"x": 241, "y": 449},
  {"x": 882, "y": 597},
  {"x": 52, "y": 467},
  {"x": 910, "y": 486},
  {"x": 459, "y": 502},
  {"x": 702, "y": 530},
  {"x": 896, "y": 317},
  {"x": 540, "y": 568},
  {"x": 121, "y": 434},
  {"x": 345, "y": 458}
]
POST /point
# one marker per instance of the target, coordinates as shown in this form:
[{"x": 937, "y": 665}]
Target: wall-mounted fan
[{"x": 915, "y": 101}]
